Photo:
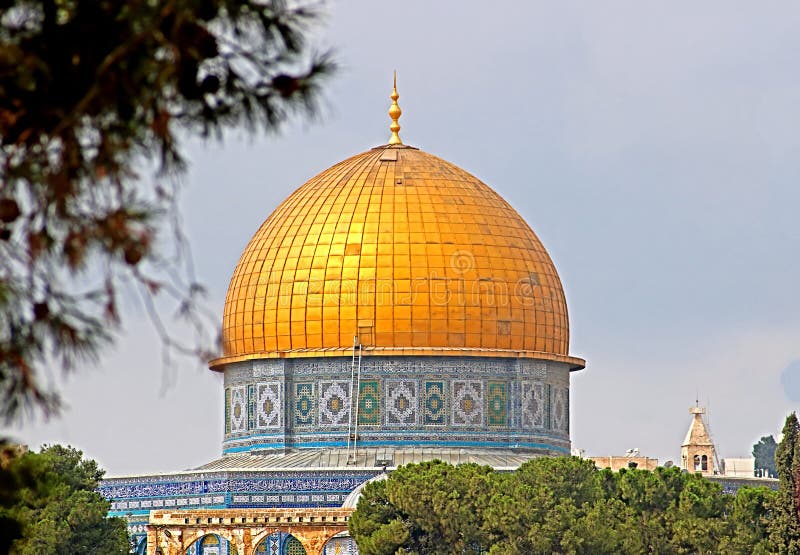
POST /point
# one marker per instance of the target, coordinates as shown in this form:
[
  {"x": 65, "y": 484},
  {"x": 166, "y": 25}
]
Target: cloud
[{"x": 790, "y": 380}]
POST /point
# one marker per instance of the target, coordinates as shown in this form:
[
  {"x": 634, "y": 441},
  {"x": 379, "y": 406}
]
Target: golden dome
[{"x": 408, "y": 252}]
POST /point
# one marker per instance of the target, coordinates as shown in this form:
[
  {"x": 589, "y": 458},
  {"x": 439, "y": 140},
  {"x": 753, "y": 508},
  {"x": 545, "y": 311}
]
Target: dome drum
[{"x": 412, "y": 401}]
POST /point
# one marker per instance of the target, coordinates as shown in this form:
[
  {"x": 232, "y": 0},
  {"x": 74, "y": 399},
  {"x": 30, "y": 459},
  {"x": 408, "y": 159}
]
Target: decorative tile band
[
  {"x": 279, "y": 404},
  {"x": 264, "y": 489}
]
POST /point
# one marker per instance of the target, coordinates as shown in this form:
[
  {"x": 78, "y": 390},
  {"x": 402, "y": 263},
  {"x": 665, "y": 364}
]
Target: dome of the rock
[
  {"x": 408, "y": 252},
  {"x": 392, "y": 310}
]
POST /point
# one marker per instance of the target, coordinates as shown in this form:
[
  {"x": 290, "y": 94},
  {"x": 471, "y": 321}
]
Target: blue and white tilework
[
  {"x": 334, "y": 404},
  {"x": 533, "y": 404},
  {"x": 467, "y": 401},
  {"x": 435, "y": 408},
  {"x": 140, "y": 495},
  {"x": 560, "y": 409},
  {"x": 305, "y": 404},
  {"x": 403, "y": 401},
  {"x": 238, "y": 410},
  {"x": 269, "y": 406}
]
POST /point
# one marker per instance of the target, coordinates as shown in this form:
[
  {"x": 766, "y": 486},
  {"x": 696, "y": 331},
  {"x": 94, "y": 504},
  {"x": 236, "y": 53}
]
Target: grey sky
[{"x": 654, "y": 149}]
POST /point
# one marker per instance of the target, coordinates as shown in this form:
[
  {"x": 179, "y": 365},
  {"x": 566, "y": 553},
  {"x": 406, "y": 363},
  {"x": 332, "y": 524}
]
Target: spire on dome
[{"x": 394, "y": 113}]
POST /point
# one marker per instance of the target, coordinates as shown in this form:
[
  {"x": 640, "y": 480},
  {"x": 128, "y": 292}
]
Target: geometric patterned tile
[
  {"x": 497, "y": 402},
  {"x": 533, "y": 405},
  {"x": 401, "y": 403},
  {"x": 251, "y": 407},
  {"x": 305, "y": 403},
  {"x": 238, "y": 409},
  {"x": 467, "y": 399},
  {"x": 334, "y": 403},
  {"x": 560, "y": 408},
  {"x": 548, "y": 414},
  {"x": 269, "y": 406},
  {"x": 369, "y": 403},
  {"x": 435, "y": 407},
  {"x": 227, "y": 410}
]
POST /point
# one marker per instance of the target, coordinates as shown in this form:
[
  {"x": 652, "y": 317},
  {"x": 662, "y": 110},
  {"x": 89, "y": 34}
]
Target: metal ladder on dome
[{"x": 355, "y": 385}]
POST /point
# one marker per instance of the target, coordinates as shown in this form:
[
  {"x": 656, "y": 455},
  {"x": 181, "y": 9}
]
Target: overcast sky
[{"x": 653, "y": 147}]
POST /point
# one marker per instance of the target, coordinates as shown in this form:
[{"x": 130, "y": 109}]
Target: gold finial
[{"x": 394, "y": 113}]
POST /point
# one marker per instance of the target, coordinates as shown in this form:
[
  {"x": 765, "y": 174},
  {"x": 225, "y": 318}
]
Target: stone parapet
[{"x": 173, "y": 532}]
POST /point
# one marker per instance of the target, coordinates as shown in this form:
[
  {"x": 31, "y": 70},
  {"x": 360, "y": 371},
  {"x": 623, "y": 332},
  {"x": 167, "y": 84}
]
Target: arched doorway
[
  {"x": 280, "y": 543},
  {"x": 271, "y": 545},
  {"x": 211, "y": 544}
]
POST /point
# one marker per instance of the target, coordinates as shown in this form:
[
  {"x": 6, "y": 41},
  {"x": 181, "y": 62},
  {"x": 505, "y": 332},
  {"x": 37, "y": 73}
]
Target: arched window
[
  {"x": 292, "y": 546},
  {"x": 697, "y": 462},
  {"x": 705, "y": 462},
  {"x": 271, "y": 545},
  {"x": 345, "y": 545},
  {"x": 211, "y": 544}
]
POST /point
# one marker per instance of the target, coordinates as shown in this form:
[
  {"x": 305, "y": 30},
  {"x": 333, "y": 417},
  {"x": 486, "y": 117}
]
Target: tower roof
[{"x": 697, "y": 433}]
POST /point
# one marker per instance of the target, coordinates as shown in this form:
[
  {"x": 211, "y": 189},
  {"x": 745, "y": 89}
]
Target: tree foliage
[
  {"x": 54, "y": 507},
  {"x": 90, "y": 90},
  {"x": 425, "y": 508},
  {"x": 557, "y": 505},
  {"x": 751, "y": 514},
  {"x": 764, "y": 453},
  {"x": 785, "y": 524}
]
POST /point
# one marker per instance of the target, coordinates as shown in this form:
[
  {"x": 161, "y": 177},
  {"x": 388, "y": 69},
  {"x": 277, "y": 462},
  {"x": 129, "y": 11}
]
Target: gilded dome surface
[{"x": 404, "y": 250}]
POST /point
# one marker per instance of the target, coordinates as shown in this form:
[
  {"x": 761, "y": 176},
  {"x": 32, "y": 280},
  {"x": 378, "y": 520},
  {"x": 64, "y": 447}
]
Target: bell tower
[{"x": 697, "y": 451}]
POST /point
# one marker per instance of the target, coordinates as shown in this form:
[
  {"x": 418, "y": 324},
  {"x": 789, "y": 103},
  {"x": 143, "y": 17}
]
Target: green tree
[
  {"x": 764, "y": 453},
  {"x": 58, "y": 508},
  {"x": 607, "y": 526},
  {"x": 431, "y": 507},
  {"x": 377, "y": 525},
  {"x": 649, "y": 496},
  {"x": 784, "y": 527},
  {"x": 90, "y": 92},
  {"x": 445, "y": 502},
  {"x": 12, "y": 480},
  {"x": 533, "y": 509},
  {"x": 698, "y": 521},
  {"x": 557, "y": 505},
  {"x": 750, "y": 514}
]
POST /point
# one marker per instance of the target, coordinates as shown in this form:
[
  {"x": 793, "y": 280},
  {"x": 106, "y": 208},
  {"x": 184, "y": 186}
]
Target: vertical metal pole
[{"x": 352, "y": 383}]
